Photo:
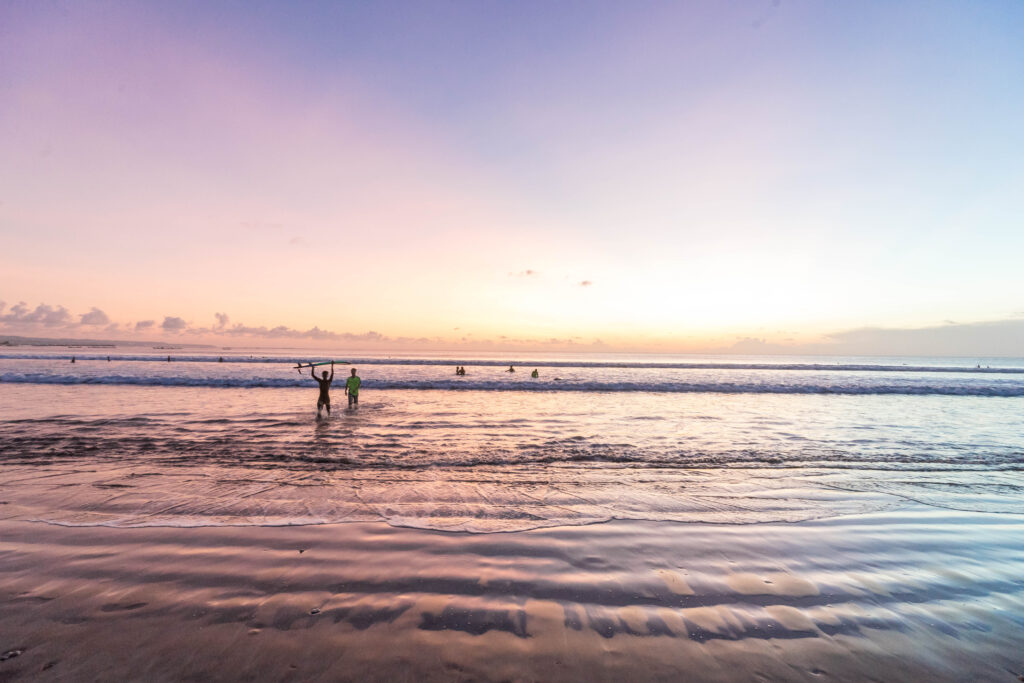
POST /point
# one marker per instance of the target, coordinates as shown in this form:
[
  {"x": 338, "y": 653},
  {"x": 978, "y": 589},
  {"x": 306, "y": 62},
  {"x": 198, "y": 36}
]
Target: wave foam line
[
  {"x": 818, "y": 367},
  {"x": 1004, "y": 390}
]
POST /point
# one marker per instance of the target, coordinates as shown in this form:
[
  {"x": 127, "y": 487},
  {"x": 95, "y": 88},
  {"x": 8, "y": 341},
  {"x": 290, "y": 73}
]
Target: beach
[
  {"x": 917, "y": 595},
  {"x": 666, "y": 519}
]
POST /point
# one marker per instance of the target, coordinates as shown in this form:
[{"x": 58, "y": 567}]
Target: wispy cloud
[
  {"x": 529, "y": 272},
  {"x": 282, "y": 331},
  {"x": 586, "y": 283},
  {"x": 143, "y": 325}
]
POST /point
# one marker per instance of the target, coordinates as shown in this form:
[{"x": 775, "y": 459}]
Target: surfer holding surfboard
[{"x": 325, "y": 385}]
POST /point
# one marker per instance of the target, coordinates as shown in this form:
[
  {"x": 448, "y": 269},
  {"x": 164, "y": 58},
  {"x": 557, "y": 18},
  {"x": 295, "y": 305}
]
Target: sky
[{"x": 647, "y": 176}]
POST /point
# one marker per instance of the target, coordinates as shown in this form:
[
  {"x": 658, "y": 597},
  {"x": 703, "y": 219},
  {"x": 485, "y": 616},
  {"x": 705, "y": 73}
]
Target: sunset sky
[{"x": 679, "y": 176}]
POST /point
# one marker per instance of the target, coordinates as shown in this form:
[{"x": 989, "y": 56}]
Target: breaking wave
[{"x": 1006, "y": 389}]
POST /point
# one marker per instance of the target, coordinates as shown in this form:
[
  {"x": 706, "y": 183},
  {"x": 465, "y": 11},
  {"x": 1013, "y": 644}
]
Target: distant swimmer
[
  {"x": 221, "y": 359},
  {"x": 510, "y": 369},
  {"x": 168, "y": 359},
  {"x": 108, "y": 359},
  {"x": 535, "y": 374},
  {"x": 72, "y": 359},
  {"x": 352, "y": 389},
  {"x": 461, "y": 371},
  {"x": 324, "y": 400}
]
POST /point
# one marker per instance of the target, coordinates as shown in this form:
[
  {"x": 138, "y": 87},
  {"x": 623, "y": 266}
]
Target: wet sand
[{"x": 921, "y": 594}]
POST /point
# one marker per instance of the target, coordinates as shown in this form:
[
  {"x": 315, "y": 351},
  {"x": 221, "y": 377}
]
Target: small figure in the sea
[
  {"x": 510, "y": 369},
  {"x": 324, "y": 400},
  {"x": 221, "y": 359},
  {"x": 461, "y": 371},
  {"x": 352, "y": 389},
  {"x": 108, "y": 359},
  {"x": 168, "y": 359},
  {"x": 535, "y": 374},
  {"x": 72, "y": 359}
]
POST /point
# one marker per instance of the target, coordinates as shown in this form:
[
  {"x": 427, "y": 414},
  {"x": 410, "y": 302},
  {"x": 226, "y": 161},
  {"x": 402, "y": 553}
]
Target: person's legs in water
[{"x": 353, "y": 399}]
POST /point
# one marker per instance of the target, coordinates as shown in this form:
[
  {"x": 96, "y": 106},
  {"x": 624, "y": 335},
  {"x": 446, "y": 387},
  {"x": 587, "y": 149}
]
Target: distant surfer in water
[
  {"x": 352, "y": 389},
  {"x": 324, "y": 399},
  {"x": 535, "y": 374},
  {"x": 510, "y": 369}
]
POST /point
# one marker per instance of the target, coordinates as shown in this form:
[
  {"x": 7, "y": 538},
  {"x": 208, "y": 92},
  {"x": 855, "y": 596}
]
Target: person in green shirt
[{"x": 352, "y": 389}]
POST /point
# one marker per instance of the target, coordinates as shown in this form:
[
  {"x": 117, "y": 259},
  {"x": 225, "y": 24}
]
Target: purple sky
[{"x": 456, "y": 171}]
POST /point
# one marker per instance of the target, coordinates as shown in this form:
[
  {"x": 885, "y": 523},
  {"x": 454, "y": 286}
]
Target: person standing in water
[
  {"x": 324, "y": 400},
  {"x": 352, "y": 389}
]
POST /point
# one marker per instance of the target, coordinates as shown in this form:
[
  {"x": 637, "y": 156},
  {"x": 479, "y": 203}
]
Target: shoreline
[{"x": 921, "y": 593}]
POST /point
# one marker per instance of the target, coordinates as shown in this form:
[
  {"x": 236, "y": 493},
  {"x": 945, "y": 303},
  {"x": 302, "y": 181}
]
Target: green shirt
[{"x": 352, "y": 384}]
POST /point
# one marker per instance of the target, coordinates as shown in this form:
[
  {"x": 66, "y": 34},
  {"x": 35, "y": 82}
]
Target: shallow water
[{"x": 217, "y": 452}]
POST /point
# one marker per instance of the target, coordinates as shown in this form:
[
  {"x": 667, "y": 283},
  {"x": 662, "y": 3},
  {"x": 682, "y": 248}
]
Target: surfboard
[{"x": 302, "y": 366}]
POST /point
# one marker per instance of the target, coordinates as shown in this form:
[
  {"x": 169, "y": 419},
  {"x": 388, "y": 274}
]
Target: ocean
[{"x": 230, "y": 438}]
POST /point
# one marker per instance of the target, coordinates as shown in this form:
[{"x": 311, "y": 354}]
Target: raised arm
[
  {"x": 312, "y": 371},
  {"x": 332, "y": 370}
]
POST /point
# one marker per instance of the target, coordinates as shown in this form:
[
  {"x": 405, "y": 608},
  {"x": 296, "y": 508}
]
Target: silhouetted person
[
  {"x": 324, "y": 400},
  {"x": 352, "y": 389},
  {"x": 510, "y": 369},
  {"x": 221, "y": 359},
  {"x": 108, "y": 359},
  {"x": 168, "y": 359},
  {"x": 535, "y": 374},
  {"x": 72, "y": 359}
]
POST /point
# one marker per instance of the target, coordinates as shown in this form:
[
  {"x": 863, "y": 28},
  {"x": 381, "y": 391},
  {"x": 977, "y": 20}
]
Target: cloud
[
  {"x": 144, "y": 325},
  {"x": 43, "y": 314},
  {"x": 222, "y": 320},
  {"x": 586, "y": 283},
  {"x": 524, "y": 273},
  {"x": 95, "y": 317},
  {"x": 990, "y": 338},
  {"x": 312, "y": 333},
  {"x": 173, "y": 324},
  {"x": 756, "y": 345}
]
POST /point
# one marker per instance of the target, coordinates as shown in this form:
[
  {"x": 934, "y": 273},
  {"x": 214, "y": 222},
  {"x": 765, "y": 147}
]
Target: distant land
[{"x": 9, "y": 340}]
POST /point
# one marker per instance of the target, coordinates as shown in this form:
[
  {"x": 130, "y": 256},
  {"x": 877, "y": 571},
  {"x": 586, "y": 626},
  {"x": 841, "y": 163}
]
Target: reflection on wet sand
[{"x": 920, "y": 594}]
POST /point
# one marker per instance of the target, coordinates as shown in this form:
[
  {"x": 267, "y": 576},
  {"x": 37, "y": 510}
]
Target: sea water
[{"x": 139, "y": 440}]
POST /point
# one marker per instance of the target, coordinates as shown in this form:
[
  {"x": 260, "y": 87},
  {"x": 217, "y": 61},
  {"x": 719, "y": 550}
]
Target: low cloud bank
[{"x": 992, "y": 338}]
